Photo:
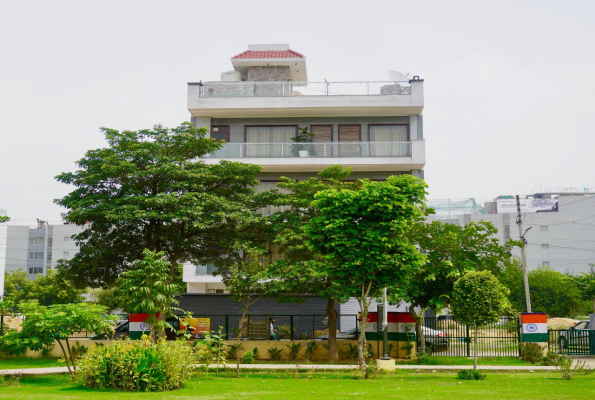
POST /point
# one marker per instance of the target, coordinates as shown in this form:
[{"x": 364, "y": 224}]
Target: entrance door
[
  {"x": 350, "y": 135},
  {"x": 220, "y": 132}
]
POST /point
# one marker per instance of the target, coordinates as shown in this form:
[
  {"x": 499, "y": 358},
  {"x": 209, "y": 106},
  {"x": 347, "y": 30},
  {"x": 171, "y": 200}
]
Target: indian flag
[
  {"x": 137, "y": 325},
  {"x": 534, "y": 327},
  {"x": 399, "y": 326}
]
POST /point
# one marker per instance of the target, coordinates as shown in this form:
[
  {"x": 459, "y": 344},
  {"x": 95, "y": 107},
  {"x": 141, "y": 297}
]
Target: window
[
  {"x": 545, "y": 246},
  {"x": 264, "y": 186},
  {"x": 35, "y": 270},
  {"x": 544, "y": 228},
  {"x": 546, "y": 264},
  {"x": 393, "y": 140},
  {"x": 264, "y": 136},
  {"x": 215, "y": 290},
  {"x": 220, "y": 132},
  {"x": 38, "y": 255},
  {"x": 67, "y": 238},
  {"x": 66, "y": 254},
  {"x": 36, "y": 240}
]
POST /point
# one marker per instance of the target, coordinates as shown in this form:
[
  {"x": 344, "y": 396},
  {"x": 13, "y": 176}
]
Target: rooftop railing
[
  {"x": 282, "y": 89},
  {"x": 318, "y": 150}
]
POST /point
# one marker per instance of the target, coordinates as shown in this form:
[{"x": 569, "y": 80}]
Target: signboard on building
[
  {"x": 201, "y": 326},
  {"x": 505, "y": 206}
]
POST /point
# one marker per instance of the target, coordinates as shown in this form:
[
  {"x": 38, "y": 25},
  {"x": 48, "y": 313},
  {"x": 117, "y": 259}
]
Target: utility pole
[{"x": 522, "y": 234}]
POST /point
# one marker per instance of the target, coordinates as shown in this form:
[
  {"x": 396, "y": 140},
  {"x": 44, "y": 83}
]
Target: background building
[
  {"x": 260, "y": 106},
  {"x": 562, "y": 227}
]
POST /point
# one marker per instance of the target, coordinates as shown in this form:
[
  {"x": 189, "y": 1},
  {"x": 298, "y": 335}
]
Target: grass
[
  {"x": 18, "y": 363},
  {"x": 267, "y": 385}
]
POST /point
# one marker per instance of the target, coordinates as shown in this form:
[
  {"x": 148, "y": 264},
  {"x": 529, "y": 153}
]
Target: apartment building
[
  {"x": 35, "y": 250},
  {"x": 266, "y": 100},
  {"x": 561, "y": 227}
]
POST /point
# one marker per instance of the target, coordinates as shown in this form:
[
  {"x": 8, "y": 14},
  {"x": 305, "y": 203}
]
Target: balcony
[
  {"x": 362, "y": 156},
  {"x": 287, "y": 99}
]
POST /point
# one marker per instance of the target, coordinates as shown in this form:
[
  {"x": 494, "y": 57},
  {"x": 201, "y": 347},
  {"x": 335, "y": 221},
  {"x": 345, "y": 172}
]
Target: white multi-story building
[
  {"x": 258, "y": 107},
  {"x": 35, "y": 250},
  {"x": 562, "y": 238}
]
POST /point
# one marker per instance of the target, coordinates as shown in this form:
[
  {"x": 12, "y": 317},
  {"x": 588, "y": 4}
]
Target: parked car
[
  {"x": 121, "y": 331},
  {"x": 432, "y": 337},
  {"x": 576, "y": 335}
]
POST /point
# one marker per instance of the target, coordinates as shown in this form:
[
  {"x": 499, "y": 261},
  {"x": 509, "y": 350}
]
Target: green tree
[
  {"x": 47, "y": 290},
  {"x": 552, "y": 292},
  {"x": 450, "y": 250},
  {"x": 43, "y": 327},
  {"x": 149, "y": 189},
  {"x": 302, "y": 269},
  {"x": 478, "y": 299},
  {"x": 364, "y": 238},
  {"x": 586, "y": 284},
  {"x": 147, "y": 289},
  {"x": 4, "y": 218}
]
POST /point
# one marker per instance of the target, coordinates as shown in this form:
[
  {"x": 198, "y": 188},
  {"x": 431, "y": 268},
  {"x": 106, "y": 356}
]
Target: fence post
[
  {"x": 467, "y": 342},
  {"x": 291, "y": 327},
  {"x": 267, "y": 326},
  {"x": 227, "y": 326},
  {"x": 313, "y": 326}
]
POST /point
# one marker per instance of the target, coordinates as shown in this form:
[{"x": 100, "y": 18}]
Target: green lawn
[
  {"x": 267, "y": 385},
  {"x": 16, "y": 363},
  {"x": 447, "y": 360}
]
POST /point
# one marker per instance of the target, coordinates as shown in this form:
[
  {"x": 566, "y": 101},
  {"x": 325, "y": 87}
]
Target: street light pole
[{"x": 522, "y": 234}]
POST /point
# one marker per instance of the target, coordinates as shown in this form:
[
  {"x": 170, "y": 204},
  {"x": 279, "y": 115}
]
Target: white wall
[{"x": 3, "y": 236}]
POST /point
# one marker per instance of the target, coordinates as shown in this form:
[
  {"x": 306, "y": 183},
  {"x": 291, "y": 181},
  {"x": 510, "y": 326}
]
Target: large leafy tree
[
  {"x": 302, "y": 269},
  {"x": 478, "y": 299},
  {"x": 364, "y": 238},
  {"x": 451, "y": 250},
  {"x": 148, "y": 189}
]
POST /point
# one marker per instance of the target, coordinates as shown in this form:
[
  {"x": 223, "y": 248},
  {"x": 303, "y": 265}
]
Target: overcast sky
[{"x": 509, "y": 85}]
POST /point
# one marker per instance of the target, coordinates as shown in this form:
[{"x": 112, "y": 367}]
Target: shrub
[
  {"x": 351, "y": 352},
  {"x": 285, "y": 331},
  {"x": 248, "y": 357},
  {"x": 139, "y": 366},
  {"x": 294, "y": 350},
  {"x": 552, "y": 359},
  {"x": 275, "y": 353},
  {"x": 423, "y": 359},
  {"x": 532, "y": 352},
  {"x": 568, "y": 367},
  {"x": 233, "y": 349},
  {"x": 470, "y": 375},
  {"x": 310, "y": 349}
]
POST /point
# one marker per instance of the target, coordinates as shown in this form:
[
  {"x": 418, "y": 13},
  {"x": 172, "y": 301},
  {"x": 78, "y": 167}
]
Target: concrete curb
[{"x": 338, "y": 367}]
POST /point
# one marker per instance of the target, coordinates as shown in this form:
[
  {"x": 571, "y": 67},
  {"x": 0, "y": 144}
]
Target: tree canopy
[
  {"x": 364, "y": 237},
  {"x": 150, "y": 189},
  {"x": 46, "y": 290}
]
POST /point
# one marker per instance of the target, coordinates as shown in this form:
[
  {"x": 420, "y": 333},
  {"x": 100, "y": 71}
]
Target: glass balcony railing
[
  {"x": 281, "y": 89},
  {"x": 318, "y": 150}
]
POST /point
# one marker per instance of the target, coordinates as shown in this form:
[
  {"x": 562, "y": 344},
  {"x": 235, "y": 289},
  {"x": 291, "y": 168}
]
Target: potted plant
[{"x": 301, "y": 149}]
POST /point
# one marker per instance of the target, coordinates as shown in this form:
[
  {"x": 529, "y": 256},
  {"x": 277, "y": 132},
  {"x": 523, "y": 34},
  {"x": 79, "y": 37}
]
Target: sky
[{"x": 509, "y": 85}]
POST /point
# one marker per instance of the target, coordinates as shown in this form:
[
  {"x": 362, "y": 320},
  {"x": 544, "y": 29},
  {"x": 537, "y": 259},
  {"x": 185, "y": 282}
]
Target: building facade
[
  {"x": 266, "y": 100},
  {"x": 562, "y": 238}
]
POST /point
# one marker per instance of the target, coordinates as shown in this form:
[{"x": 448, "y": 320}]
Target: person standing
[{"x": 273, "y": 331}]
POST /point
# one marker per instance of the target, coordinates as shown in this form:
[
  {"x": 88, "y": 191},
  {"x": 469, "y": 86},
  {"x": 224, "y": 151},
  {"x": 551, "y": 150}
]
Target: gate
[
  {"x": 571, "y": 341},
  {"x": 444, "y": 336}
]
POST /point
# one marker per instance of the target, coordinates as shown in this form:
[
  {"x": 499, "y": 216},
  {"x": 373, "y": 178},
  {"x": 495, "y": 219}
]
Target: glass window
[
  {"x": 544, "y": 228},
  {"x": 66, "y": 254},
  {"x": 35, "y": 270},
  {"x": 265, "y": 139},
  {"x": 392, "y": 138},
  {"x": 67, "y": 238},
  {"x": 36, "y": 240},
  {"x": 36, "y": 255},
  {"x": 546, "y": 264},
  {"x": 545, "y": 246}
]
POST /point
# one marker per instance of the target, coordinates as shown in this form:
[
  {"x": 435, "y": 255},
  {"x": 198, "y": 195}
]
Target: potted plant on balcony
[{"x": 300, "y": 148}]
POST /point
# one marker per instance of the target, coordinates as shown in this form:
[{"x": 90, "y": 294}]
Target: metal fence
[
  {"x": 447, "y": 337},
  {"x": 290, "y": 327},
  {"x": 571, "y": 341}
]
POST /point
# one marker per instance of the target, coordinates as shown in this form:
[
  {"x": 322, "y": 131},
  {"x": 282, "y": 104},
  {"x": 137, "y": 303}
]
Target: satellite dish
[{"x": 396, "y": 76}]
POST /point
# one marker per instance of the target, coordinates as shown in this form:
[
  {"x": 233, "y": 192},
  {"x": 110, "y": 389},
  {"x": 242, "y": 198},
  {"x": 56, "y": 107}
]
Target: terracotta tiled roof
[{"x": 269, "y": 54}]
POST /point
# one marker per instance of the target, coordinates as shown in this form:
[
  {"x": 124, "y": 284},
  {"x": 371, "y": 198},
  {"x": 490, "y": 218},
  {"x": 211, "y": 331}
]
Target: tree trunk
[
  {"x": 475, "y": 349},
  {"x": 71, "y": 355},
  {"x": 333, "y": 353},
  {"x": 70, "y": 371},
  {"x": 421, "y": 340},
  {"x": 361, "y": 340}
]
